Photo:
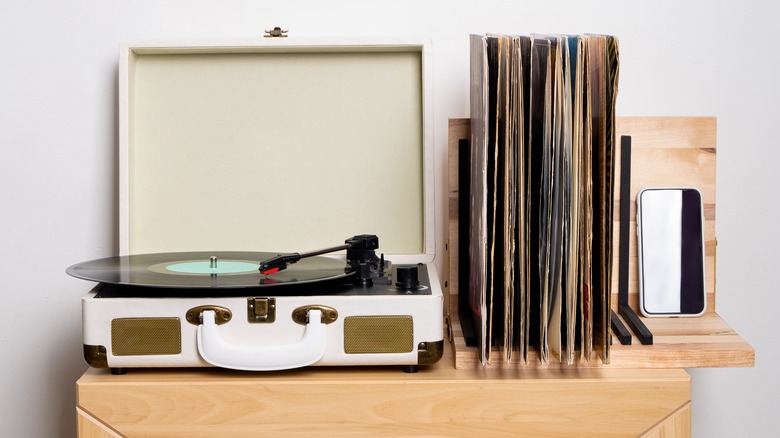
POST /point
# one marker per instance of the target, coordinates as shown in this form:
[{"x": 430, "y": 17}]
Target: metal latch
[
  {"x": 276, "y": 32},
  {"x": 261, "y": 310}
]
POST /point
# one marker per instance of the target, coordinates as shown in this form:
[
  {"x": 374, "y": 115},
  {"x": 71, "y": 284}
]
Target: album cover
[{"x": 543, "y": 153}]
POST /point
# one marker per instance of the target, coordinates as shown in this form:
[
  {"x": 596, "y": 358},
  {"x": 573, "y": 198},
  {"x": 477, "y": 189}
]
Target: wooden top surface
[
  {"x": 442, "y": 372},
  {"x": 439, "y": 400}
]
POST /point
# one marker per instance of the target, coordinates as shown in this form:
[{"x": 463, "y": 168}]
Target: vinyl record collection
[{"x": 541, "y": 183}]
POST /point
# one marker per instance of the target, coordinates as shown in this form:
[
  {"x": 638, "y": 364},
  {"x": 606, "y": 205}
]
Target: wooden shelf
[
  {"x": 666, "y": 151},
  {"x": 704, "y": 342}
]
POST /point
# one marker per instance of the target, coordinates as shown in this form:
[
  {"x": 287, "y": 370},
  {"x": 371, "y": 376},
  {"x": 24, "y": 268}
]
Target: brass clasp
[
  {"x": 301, "y": 314},
  {"x": 260, "y": 310},
  {"x": 195, "y": 315}
]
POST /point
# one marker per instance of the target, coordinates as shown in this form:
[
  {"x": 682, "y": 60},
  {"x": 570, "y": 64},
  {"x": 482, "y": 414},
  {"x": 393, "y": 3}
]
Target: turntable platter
[{"x": 216, "y": 269}]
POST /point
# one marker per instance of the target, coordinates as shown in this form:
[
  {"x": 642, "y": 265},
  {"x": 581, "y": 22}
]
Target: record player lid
[{"x": 244, "y": 145}]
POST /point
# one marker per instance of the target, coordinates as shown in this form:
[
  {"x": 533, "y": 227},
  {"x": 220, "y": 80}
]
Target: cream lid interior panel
[{"x": 285, "y": 150}]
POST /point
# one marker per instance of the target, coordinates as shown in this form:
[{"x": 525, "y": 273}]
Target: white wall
[{"x": 58, "y": 136}]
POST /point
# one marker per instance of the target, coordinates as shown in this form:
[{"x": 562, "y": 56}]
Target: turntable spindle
[{"x": 213, "y": 262}]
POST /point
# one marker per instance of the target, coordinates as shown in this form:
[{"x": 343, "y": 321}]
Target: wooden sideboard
[{"x": 439, "y": 400}]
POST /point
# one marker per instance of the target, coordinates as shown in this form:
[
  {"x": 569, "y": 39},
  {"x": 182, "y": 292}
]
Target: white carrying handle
[{"x": 216, "y": 351}]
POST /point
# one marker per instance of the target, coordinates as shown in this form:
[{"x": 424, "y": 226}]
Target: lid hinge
[{"x": 276, "y": 32}]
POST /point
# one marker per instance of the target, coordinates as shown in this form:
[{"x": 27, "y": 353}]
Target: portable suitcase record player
[{"x": 235, "y": 155}]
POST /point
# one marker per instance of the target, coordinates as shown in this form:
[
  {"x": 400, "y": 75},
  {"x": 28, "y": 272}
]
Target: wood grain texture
[
  {"x": 90, "y": 427},
  {"x": 458, "y": 129},
  {"x": 669, "y": 152},
  {"x": 677, "y": 425},
  {"x": 437, "y": 401},
  {"x": 666, "y": 151}
]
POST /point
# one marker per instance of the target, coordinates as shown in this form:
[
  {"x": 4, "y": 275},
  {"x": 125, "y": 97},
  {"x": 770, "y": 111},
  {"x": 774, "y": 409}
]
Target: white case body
[
  {"x": 201, "y": 123},
  {"x": 425, "y": 312}
]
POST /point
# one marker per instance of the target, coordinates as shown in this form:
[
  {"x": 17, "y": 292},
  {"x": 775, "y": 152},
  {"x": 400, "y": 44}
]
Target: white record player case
[{"x": 272, "y": 145}]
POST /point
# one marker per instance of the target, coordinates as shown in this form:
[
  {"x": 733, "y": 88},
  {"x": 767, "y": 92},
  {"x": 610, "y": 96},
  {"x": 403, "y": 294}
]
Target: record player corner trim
[
  {"x": 430, "y": 352},
  {"x": 96, "y": 356}
]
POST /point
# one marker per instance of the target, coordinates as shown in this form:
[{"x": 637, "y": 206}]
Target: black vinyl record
[{"x": 216, "y": 269}]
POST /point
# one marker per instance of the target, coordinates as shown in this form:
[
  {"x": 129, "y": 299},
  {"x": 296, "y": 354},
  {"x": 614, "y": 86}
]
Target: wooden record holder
[{"x": 667, "y": 151}]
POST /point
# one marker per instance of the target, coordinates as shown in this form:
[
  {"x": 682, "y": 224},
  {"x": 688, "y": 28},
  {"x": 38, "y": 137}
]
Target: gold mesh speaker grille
[
  {"x": 145, "y": 336},
  {"x": 378, "y": 334}
]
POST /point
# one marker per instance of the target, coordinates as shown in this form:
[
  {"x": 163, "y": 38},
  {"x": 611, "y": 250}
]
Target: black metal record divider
[
  {"x": 464, "y": 221},
  {"x": 632, "y": 319}
]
